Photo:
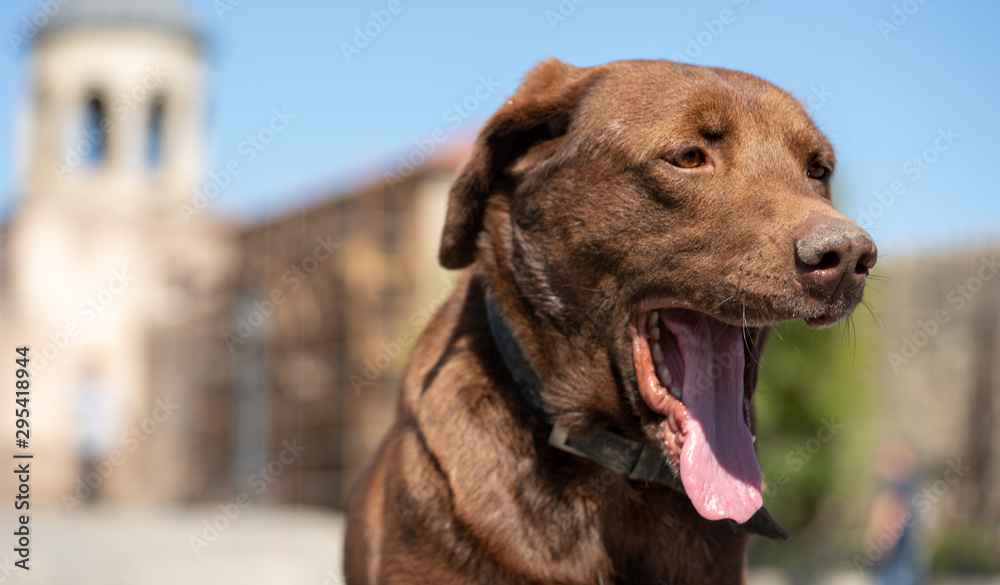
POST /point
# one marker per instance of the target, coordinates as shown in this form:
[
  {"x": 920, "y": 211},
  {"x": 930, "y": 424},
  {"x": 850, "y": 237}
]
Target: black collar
[{"x": 638, "y": 461}]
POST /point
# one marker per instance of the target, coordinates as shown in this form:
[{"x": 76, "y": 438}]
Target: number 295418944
[{"x": 22, "y": 394}]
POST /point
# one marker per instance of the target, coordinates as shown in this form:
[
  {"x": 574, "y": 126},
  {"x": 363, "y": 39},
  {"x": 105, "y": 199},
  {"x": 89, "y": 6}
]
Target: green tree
[{"x": 813, "y": 406}]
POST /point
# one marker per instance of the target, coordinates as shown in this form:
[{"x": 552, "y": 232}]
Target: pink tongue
[{"x": 719, "y": 467}]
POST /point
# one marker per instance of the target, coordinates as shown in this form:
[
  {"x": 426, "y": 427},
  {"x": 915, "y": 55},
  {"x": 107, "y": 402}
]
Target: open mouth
[{"x": 699, "y": 374}]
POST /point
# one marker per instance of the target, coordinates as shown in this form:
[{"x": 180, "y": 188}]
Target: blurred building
[
  {"x": 173, "y": 358},
  {"x": 99, "y": 270}
]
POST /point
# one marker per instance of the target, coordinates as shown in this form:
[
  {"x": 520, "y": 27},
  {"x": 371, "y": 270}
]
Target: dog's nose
[{"x": 834, "y": 258}]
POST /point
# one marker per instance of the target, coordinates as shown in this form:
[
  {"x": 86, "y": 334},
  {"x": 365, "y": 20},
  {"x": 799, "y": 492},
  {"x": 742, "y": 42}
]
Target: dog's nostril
[
  {"x": 866, "y": 262},
  {"x": 861, "y": 268},
  {"x": 829, "y": 260}
]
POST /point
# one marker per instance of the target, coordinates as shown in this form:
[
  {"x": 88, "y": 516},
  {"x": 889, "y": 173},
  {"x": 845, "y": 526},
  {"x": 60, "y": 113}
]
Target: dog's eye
[
  {"x": 688, "y": 159},
  {"x": 818, "y": 171}
]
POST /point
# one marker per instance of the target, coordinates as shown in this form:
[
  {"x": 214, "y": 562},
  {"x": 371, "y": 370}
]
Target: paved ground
[
  {"x": 122, "y": 547},
  {"x": 265, "y": 546}
]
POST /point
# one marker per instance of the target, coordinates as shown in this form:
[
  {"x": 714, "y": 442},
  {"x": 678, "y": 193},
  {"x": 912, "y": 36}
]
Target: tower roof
[{"x": 169, "y": 16}]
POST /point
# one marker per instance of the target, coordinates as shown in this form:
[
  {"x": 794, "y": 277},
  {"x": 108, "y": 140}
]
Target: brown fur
[{"x": 567, "y": 213}]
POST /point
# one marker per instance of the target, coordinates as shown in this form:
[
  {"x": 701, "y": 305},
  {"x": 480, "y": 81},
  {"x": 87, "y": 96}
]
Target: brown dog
[{"x": 579, "y": 410}]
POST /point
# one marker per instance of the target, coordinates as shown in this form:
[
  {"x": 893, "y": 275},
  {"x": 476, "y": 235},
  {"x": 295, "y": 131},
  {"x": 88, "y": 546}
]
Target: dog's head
[{"x": 662, "y": 216}]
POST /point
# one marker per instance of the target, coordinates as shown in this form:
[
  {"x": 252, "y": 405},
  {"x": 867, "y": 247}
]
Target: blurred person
[
  {"x": 97, "y": 423},
  {"x": 996, "y": 553},
  {"x": 891, "y": 531}
]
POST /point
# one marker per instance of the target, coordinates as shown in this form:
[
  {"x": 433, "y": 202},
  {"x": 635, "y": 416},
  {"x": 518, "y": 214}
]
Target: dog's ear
[{"x": 539, "y": 110}]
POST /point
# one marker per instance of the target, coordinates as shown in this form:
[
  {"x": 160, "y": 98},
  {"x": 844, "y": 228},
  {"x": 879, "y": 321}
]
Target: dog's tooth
[
  {"x": 675, "y": 390},
  {"x": 651, "y": 320},
  {"x": 665, "y": 378},
  {"x": 754, "y": 438},
  {"x": 657, "y": 352},
  {"x": 654, "y": 333}
]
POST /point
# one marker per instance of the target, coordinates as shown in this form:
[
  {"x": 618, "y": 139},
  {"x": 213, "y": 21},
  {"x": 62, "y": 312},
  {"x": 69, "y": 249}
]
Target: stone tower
[{"x": 100, "y": 270}]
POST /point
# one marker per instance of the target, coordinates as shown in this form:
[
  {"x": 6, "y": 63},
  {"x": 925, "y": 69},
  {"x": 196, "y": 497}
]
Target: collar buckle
[{"x": 558, "y": 438}]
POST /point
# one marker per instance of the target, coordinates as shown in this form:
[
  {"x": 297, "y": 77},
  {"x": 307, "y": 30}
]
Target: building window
[
  {"x": 154, "y": 135},
  {"x": 94, "y": 126}
]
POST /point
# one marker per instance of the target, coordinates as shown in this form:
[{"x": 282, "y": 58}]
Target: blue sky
[{"x": 883, "y": 97}]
